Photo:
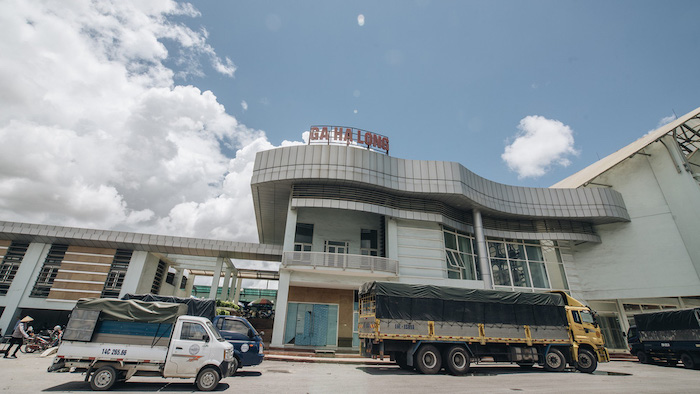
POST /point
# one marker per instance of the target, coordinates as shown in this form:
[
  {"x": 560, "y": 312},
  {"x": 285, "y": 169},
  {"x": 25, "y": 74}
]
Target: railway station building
[{"x": 340, "y": 211}]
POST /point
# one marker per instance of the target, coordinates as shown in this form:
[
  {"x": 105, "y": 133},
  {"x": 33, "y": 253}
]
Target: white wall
[{"x": 646, "y": 257}]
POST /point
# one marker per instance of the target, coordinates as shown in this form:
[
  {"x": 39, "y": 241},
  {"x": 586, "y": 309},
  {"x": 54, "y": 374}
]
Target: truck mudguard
[{"x": 437, "y": 303}]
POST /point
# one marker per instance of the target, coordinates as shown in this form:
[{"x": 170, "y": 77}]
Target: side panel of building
[
  {"x": 648, "y": 256},
  {"x": 421, "y": 250},
  {"x": 82, "y": 273}
]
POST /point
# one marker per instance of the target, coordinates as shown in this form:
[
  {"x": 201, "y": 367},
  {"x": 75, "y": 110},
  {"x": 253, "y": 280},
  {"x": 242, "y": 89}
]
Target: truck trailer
[
  {"x": 112, "y": 340},
  {"x": 426, "y": 327},
  {"x": 668, "y": 336}
]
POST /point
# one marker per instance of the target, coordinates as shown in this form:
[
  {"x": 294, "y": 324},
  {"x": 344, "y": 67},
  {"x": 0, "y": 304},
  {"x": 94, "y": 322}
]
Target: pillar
[
  {"x": 190, "y": 285},
  {"x": 237, "y": 292},
  {"x": 280, "y": 309},
  {"x": 178, "y": 281},
  {"x": 227, "y": 280},
  {"x": 216, "y": 278},
  {"x": 482, "y": 250}
]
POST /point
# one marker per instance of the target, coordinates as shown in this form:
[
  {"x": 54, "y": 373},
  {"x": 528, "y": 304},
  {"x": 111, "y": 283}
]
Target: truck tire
[
  {"x": 428, "y": 360},
  {"x": 554, "y": 361},
  {"x": 457, "y": 360},
  {"x": 104, "y": 378},
  {"x": 643, "y": 357},
  {"x": 688, "y": 361},
  {"x": 587, "y": 361},
  {"x": 207, "y": 379}
]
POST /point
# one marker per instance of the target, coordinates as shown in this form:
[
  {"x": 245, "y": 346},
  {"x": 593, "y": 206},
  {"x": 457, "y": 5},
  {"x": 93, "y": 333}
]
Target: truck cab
[
  {"x": 586, "y": 335},
  {"x": 246, "y": 341}
]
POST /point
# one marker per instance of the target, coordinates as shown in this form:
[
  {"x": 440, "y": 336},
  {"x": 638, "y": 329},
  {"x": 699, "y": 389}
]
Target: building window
[
  {"x": 117, "y": 273},
  {"x": 158, "y": 278},
  {"x": 10, "y": 264},
  {"x": 303, "y": 238},
  {"x": 170, "y": 277},
  {"x": 460, "y": 256},
  {"x": 526, "y": 264},
  {"x": 49, "y": 270},
  {"x": 183, "y": 284},
  {"x": 369, "y": 243}
]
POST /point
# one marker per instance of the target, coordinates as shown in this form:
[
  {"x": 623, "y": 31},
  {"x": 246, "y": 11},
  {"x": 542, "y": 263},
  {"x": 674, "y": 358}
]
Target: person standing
[{"x": 18, "y": 336}]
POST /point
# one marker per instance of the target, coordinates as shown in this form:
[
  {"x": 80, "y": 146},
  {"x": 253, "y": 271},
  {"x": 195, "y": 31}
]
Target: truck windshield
[
  {"x": 216, "y": 332},
  {"x": 587, "y": 317}
]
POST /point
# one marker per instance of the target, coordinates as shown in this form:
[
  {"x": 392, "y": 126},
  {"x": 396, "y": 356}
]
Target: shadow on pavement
[{"x": 163, "y": 387}]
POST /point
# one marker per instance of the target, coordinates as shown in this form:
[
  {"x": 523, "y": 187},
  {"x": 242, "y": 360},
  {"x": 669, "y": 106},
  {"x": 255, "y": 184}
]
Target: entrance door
[
  {"x": 312, "y": 325},
  {"x": 336, "y": 251}
]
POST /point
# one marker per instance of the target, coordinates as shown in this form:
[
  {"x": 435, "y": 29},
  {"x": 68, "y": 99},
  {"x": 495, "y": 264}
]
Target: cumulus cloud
[
  {"x": 96, "y": 132},
  {"x": 539, "y": 145}
]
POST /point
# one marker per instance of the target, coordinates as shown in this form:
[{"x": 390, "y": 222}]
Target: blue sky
[
  {"x": 146, "y": 116},
  {"x": 451, "y": 80}
]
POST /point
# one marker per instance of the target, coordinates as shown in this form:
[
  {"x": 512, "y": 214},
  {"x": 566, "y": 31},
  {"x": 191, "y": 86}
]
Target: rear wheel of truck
[
  {"x": 643, "y": 357},
  {"x": 587, "y": 362},
  {"x": 457, "y": 360},
  {"x": 688, "y": 361},
  {"x": 207, "y": 379},
  {"x": 554, "y": 361},
  {"x": 428, "y": 360},
  {"x": 104, "y": 378}
]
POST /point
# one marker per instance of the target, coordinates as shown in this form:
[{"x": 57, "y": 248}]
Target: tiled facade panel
[
  {"x": 421, "y": 250},
  {"x": 82, "y": 273}
]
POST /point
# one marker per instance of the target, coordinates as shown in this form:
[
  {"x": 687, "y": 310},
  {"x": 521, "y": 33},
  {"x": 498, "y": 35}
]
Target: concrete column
[
  {"x": 681, "y": 303},
  {"x": 290, "y": 228},
  {"x": 178, "y": 281},
  {"x": 281, "y": 309},
  {"x": 227, "y": 280},
  {"x": 392, "y": 239},
  {"x": 190, "y": 284},
  {"x": 624, "y": 324},
  {"x": 233, "y": 286},
  {"x": 22, "y": 284},
  {"x": 133, "y": 273},
  {"x": 217, "y": 277},
  {"x": 482, "y": 250},
  {"x": 237, "y": 293}
]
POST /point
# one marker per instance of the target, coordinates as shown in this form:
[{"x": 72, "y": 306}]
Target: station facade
[{"x": 619, "y": 235}]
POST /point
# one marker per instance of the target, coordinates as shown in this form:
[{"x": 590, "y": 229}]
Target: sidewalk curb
[{"x": 328, "y": 360}]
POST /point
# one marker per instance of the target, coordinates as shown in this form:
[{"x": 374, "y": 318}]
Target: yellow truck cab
[{"x": 584, "y": 331}]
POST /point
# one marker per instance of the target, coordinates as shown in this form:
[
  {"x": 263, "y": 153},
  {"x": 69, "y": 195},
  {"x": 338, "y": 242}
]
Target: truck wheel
[
  {"x": 207, "y": 379},
  {"x": 587, "y": 362},
  {"x": 401, "y": 361},
  {"x": 643, "y": 357},
  {"x": 688, "y": 361},
  {"x": 554, "y": 361},
  {"x": 104, "y": 378},
  {"x": 428, "y": 360},
  {"x": 457, "y": 360}
]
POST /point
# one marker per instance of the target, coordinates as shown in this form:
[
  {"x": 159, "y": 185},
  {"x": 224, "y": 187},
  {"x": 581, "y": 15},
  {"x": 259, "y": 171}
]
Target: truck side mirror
[{"x": 206, "y": 338}]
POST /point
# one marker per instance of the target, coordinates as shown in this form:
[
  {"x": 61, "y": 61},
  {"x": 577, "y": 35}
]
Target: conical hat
[{"x": 26, "y": 319}]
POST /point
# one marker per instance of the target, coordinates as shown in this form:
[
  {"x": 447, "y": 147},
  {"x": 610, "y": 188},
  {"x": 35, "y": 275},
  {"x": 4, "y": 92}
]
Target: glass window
[
  {"x": 501, "y": 274},
  {"x": 577, "y": 318},
  {"x": 304, "y": 233},
  {"x": 234, "y": 326},
  {"x": 192, "y": 332},
  {"x": 539, "y": 275},
  {"x": 587, "y": 317},
  {"x": 450, "y": 241},
  {"x": 515, "y": 251},
  {"x": 534, "y": 253},
  {"x": 465, "y": 244},
  {"x": 497, "y": 250},
  {"x": 369, "y": 244},
  {"x": 521, "y": 277}
]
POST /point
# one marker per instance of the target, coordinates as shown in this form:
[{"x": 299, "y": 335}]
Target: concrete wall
[{"x": 654, "y": 254}]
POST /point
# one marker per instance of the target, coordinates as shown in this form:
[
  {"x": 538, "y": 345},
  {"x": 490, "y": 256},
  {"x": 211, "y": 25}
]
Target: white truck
[{"x": 113, "y": 340}]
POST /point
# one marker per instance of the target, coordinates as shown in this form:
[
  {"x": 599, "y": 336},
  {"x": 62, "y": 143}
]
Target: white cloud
[
  {"x": 244, "y": 105},
  {"x": 666, "y": 120},
  {"x": 96, "y": 133},
  {"x": 361, "y": 20},
  {"x": 540, "y": 144}
]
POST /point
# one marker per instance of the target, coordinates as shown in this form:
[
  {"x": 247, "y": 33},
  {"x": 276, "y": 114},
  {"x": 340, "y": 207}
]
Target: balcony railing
[{"x": 341, "y": 261}]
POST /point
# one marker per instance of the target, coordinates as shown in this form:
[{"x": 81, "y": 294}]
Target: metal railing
[{"x": 341, "y": 261}]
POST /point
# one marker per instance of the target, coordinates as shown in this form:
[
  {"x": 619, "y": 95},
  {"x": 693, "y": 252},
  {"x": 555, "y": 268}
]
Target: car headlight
[
  {"x": 260, "y": 349},
  {"x": 228, "y": 354}
]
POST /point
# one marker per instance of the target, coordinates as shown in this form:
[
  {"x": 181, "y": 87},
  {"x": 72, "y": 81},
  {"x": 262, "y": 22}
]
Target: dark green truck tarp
[
  {"x": 683, "y": 319},
  {"x": 133, "y": 310},
  {"x": 195, "y": 306},
  {"x": 439, "y": 303}
]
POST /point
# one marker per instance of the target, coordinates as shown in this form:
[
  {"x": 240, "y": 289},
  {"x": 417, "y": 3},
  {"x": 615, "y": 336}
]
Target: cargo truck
[
  {"x": 668, "y": 336},
  {"x": 430, "y": 327},
  {"x": 113, "y": 340}
]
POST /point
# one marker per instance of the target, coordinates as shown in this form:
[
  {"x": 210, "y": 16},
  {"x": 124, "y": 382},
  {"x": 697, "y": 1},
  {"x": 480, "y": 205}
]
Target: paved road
[{"x": 28, "y": 375}]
